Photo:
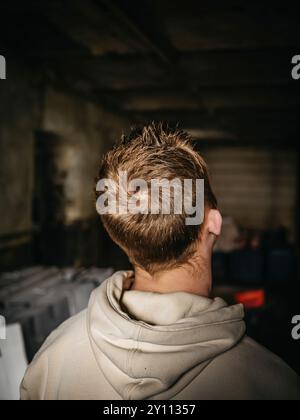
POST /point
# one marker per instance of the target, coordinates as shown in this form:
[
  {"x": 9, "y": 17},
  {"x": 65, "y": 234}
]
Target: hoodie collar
[{"x": 151, "y": 345}]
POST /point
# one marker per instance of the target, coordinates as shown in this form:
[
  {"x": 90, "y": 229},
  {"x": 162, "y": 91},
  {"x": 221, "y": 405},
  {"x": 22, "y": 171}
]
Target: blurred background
[{"x": 78, "y": 75}]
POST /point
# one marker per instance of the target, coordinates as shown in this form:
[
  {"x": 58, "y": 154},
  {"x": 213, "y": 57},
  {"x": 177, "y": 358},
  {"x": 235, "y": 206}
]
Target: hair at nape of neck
[{"x": 2, "y": 67}]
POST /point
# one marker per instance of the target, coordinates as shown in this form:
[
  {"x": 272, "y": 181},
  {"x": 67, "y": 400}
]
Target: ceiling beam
[
  {"x": 145, "y": 100},
  {"x": 138, "y": 32},
  {"x": 244, "y": 25},
  {"x": 281, "y": 124},
  {"x": 91, "y": 26}
]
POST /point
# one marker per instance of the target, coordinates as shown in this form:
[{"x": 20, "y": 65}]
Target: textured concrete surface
[{"x": 78, "y": 131}]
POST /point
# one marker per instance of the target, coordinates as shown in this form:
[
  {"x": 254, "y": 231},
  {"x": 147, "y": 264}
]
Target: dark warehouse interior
[{"x": 81, "y": 73}]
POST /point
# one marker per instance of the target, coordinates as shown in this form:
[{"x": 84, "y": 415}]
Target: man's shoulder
[
  {"x": 70, "y": 334},
  {"x": 250, "y": 350},
  {"x": 247, "y": 371},
  {"x": 263, "y": 372},
  {"x": 61, "y": 351}
]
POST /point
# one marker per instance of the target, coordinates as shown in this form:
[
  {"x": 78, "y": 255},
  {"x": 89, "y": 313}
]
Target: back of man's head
[{"x": 161, "y": 241}]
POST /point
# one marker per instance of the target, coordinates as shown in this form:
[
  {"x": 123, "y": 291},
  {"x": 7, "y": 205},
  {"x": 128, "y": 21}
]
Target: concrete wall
[
  {"x": 256, "y": 186},
  {"x": 18, "y": 119},
  {"x": 82, "y": 131},
  {"x": 85, "y": 131}
]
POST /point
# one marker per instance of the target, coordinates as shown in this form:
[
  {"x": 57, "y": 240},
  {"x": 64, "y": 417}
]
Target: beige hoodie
[{"x": 141, "y": 345}]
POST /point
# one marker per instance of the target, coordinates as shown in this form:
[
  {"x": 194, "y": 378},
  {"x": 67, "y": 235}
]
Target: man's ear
[{"x": 214, "y": 222}]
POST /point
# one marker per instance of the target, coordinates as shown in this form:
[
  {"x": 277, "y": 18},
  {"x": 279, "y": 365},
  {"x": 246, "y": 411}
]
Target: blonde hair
[{"x": 155, "y": 242}]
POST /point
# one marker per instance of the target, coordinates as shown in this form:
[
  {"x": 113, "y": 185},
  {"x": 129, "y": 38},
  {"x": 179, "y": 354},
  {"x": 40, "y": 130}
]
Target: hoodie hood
[{"x": 151, "y": 345}]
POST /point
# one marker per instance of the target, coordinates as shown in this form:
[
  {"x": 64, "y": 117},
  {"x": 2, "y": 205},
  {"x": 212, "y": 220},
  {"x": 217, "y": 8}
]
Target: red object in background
[{"x": 251, "y": 299}]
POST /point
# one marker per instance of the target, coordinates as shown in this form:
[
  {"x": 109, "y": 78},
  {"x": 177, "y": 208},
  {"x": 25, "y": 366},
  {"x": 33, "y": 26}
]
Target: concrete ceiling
[{"x": 222, "y": 70}]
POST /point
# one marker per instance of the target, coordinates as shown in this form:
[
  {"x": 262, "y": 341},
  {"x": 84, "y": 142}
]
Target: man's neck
[{"x": 196, "y": 279}]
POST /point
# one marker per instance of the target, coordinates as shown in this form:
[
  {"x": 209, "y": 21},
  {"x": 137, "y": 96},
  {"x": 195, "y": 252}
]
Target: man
[{"x": 155, "y": 333}]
